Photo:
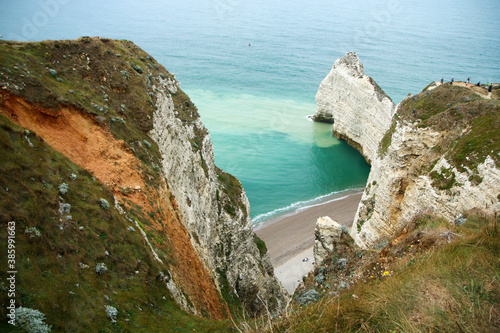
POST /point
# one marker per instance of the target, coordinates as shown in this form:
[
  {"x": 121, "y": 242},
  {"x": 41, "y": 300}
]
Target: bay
[{"x": 253, "y": 69}]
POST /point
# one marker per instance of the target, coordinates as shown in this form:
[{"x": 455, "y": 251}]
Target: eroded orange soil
[{"x": 81, "y": 139}]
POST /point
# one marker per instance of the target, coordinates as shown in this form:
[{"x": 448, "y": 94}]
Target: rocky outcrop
[
  {"x": 213, "y": 206},
  {"x": 436, "y": 154},
  {"x": 327, "y": 234},
  {"x": 359, "y": 109},
  {"x": 426, "y": 166},
  {"x": 398, "y": 191}
]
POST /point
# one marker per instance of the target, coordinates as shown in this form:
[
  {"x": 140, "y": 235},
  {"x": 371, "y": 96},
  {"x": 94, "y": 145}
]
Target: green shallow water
[{"x": 283, "y": 159}]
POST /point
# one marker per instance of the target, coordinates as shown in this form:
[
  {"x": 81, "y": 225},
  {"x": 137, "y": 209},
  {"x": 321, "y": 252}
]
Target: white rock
[
  {"x": 397, "y": 189},
  {"x": 401, "y": 192},
  {"x": 224, "y": 242},
  {"x": 360, "y": 110},
  {"x": 327, "y": 234}
]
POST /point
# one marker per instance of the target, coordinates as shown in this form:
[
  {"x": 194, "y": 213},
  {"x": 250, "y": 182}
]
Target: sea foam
[{"x": 268, "y": 218}]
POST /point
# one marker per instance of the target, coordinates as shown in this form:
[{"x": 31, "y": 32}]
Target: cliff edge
[
  {"x": 436, "y": 152},
  {"x": 439, "y": 157},
  {"x": 108, "y": 175}
]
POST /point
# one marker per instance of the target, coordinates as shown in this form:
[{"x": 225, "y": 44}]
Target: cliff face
[
  {"x": 439, "y": 157},
  {"x": 213, "y": 205},
  {"x": 437, "y": 152},
  {"x": 348, "y": 98},
  {"x": 111, "y": 110}
]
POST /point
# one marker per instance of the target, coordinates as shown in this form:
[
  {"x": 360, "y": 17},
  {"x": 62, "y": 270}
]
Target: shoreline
[
  {"x": 290, "y": 237},
  {"x": 299, "y": 207}
]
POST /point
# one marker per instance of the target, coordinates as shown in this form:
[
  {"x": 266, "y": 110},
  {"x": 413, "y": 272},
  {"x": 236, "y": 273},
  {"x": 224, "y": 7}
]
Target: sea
[{"x": 253, "y": 68}]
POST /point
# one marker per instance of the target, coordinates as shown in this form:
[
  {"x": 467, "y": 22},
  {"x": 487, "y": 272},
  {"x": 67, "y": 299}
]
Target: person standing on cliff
[
  {"x": 467, "y": 83},
  {"x": 451, "y": 81},
  {"x": 490, "y": 87},
  {"x": 441, "y": 80}
]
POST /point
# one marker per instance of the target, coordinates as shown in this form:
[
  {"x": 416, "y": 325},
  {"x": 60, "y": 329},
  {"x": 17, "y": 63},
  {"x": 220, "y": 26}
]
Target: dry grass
[{"x": 440, "y": 286}]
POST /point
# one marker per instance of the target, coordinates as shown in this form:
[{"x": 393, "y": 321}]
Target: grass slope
[
  {"x": 113, "y": 82},
  {"x": 433, "y": 278},
  {"x": 57, "y": 269}
]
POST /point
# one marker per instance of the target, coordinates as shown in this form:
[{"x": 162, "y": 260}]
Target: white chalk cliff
[
  {"x": 219, "y": 225},
  {"x": 146, "y": 146},
  {"x": 398, "y": 190},
  {"x": 405, "y": 169},
  {"x": 359, "y": 109},
  {"x": 327, "y": 234}
]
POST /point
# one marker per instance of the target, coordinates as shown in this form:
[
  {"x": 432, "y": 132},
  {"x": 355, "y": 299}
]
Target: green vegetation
[
  {"x": 437, "y": 277},
  {"x": 481, "y": 140},
  {"x": 261, "y": 245},
  {"x": 387, "y": 138},
  {"x": 58, "y": 250},
  {"x": 229, "y": 295},
  {"x": 470, "y": 121},
  {"x": 443, "y": 180},
  {"x": 231, "y": 186}
]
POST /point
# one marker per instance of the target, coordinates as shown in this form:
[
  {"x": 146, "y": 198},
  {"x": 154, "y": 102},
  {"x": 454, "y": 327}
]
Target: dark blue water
[{"x": 253, "y": 69}]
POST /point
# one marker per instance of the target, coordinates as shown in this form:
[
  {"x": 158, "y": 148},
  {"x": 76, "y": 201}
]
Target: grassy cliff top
[
  {"x": 466, "y": 116},
  {"x": 111, "y": 80},
  {"x": 432, "y": 277},
  {"x": 92, "y": 101},
  {"x": 469, "y": 114}
]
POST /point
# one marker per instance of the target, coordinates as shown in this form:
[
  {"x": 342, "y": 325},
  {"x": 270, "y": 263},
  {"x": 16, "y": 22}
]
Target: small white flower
[
  {"x": 100, "y": 268},
  {"x": 112, "y": 312}
]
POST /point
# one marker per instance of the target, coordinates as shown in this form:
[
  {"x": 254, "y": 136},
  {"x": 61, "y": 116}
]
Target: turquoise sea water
[{"x": 253, "y": 69}]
